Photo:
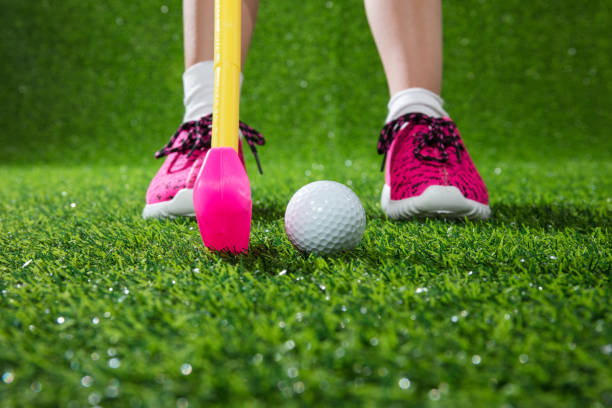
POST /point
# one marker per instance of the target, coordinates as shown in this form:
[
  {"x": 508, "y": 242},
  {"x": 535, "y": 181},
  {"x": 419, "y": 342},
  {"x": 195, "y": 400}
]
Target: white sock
[
  {"x": 199, "y": 88},
  {"x": 415, "y": 100}
]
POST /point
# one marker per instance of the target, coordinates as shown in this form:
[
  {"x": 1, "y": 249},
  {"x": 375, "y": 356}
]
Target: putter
[{"x": 222, "y": 192}]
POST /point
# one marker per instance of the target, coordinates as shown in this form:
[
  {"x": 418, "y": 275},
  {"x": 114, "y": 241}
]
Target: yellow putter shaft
[{"x": 227, "y": 62}]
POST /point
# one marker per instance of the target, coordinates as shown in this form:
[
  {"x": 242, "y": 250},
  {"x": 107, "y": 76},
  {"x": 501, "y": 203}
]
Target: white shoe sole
[
  {"x": 436, "y": 201},
  {"x": 181, "y": 205}
]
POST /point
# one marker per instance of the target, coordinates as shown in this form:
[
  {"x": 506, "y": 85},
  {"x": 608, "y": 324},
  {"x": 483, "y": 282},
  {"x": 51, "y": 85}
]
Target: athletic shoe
[
  {"x": 170, "y": 193},
  {"x": 428, "y": 171}
]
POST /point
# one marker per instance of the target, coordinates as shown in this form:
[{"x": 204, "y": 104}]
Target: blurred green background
[{"x": 100, "y": 81}]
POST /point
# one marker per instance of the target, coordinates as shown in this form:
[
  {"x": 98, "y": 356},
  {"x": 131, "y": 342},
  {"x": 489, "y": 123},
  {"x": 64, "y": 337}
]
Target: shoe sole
[
  {"x": 435, "y": 201},
  {"x": 181, "y": 205}
]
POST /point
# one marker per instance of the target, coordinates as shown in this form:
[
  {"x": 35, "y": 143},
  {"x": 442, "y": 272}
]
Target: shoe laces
[
  {"x": 440, "y": 134},
  {"x": 199, "y": 137}
]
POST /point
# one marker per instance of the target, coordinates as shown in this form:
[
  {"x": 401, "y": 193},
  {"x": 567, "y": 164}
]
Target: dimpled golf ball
[{"x": 325, "y": 217}]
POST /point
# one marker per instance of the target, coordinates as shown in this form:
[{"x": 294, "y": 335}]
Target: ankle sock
[
  {"x": 199, "y": 88},
  {"x": 415, "y": 100}
]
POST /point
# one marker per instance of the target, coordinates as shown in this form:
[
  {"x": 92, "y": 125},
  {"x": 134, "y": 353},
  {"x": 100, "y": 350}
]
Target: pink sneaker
[
  {"x": 428, "y": 171},
  {"x": 170, "y": 193}
]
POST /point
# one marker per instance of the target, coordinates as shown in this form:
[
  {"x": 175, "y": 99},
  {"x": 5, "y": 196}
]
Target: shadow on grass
[
  {"x": 268, "y": 212},
  {"x": 269, "y": 260},
  {"x": 273, "y": 253},
  {"x": 547, "y": 216}
]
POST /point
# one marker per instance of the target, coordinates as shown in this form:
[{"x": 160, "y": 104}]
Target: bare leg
[
  {"x": 198, "y": 29},
  {"x": 408, "y": 34}
]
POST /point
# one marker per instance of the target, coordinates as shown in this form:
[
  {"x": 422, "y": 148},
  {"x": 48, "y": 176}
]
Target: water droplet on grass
[
  {"x": 8, "y": 377},
  {"x": 112, "y": 391},
  {"x": 434, "y": 394},
  {"x": 443, "y": 387},
  {"x": 35, "y": 386},
  {"x": 114, "y": 362},
  {"x": 60, "y": 320},
  {"x": 29, "y": 261},
  {"x": 476, "y": 359},
  {"x": 257, "y": 359},
  {"x": 87, "y": 381},
  {"x": 186, "y": 369},
  {"x": 164, "y": 9},
  {"x": 292, "y": 372},
  {"x": 298, "y": 387},
  {"x": 94, "y": 398},
  {"x": 404, "y": 383}
]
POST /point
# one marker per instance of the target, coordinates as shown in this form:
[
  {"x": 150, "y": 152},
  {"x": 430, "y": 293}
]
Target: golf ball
[{"x": 324, "y": 217}]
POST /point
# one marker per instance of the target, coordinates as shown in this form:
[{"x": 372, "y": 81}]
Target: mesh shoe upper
[
  {"x": 185, "y": 153},
  {"x": 422, "y": 151}
]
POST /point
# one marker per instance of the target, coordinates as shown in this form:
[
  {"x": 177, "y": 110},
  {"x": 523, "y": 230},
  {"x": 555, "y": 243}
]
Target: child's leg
[
  {"x": 427, "y": 168},
  {"x": 198, "y": 29},
  {"x": 408, "y": 34}
]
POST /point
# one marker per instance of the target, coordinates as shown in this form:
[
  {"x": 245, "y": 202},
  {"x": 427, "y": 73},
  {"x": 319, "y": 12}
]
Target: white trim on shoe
[
  {"x": 441, "y": 201},
  {"x": 181, "y": 205}
]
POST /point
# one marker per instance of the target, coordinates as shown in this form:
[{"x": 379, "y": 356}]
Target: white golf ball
[{"x": 325, "y": 217}]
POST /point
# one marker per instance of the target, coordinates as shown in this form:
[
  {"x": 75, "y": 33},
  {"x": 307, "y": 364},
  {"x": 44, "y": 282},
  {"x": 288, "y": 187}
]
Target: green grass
[{"x": 99, "y": 307}]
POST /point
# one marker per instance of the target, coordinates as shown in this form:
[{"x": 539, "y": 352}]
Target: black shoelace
[
  {"x": 441, "y": 134},
  {"x": 199, "y": 134}
]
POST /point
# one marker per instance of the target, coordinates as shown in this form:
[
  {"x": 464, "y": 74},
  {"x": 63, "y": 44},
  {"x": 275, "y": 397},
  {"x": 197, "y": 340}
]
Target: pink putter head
[{"x": 222, "y": 201}]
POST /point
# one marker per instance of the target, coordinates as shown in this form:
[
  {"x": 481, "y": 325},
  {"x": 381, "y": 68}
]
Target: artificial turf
[{"x": 100, "y": 307}]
